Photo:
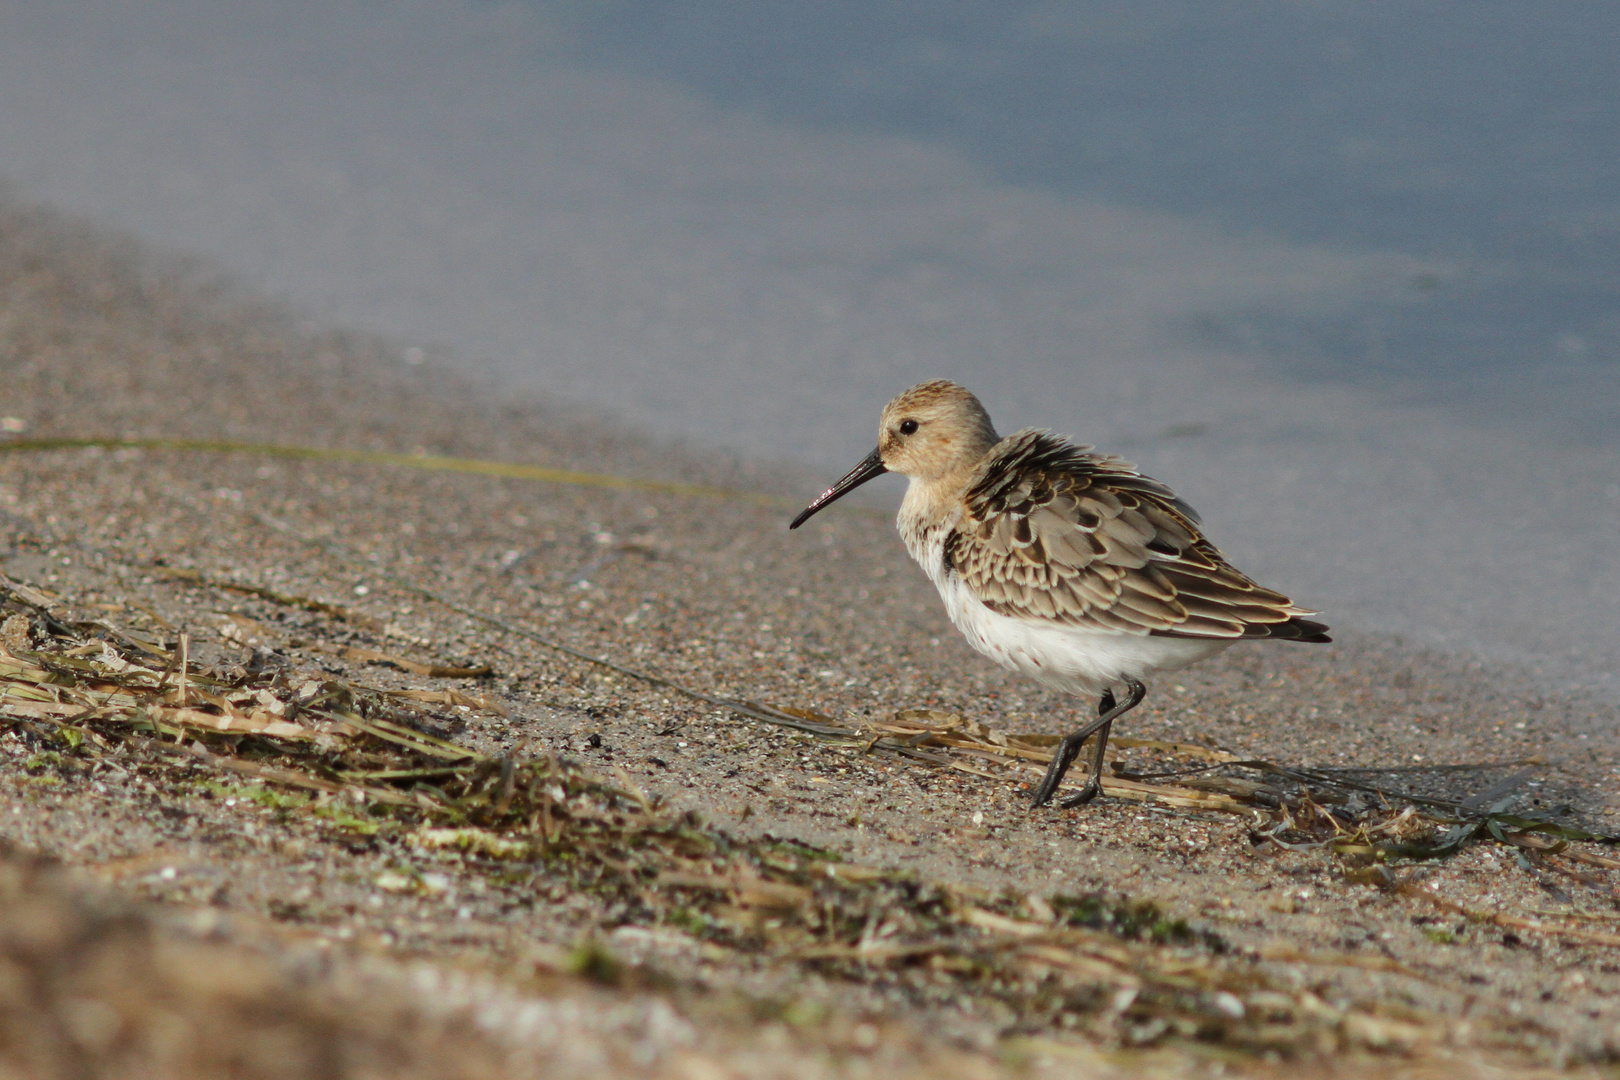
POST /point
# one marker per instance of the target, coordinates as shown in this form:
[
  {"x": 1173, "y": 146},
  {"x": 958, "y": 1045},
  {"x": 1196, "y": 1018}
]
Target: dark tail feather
[{"x": 1295, "y": 629}]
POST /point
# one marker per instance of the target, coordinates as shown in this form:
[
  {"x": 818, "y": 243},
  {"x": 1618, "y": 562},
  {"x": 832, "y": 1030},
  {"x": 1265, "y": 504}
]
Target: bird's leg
[
  {"x": 1109, "y": 713},
  {"x": 1105, "y": 723},
  {"x": 1065, "y": 752}
]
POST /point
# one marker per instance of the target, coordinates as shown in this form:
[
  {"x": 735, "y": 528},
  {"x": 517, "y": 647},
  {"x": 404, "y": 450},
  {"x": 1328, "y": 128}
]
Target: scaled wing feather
[{"x": 1054, "y": 531}]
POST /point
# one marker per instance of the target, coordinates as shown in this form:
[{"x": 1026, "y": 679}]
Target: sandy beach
[{"x": 171, "y": 892}]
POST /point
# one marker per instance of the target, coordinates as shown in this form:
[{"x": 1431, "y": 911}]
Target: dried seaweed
[
  {"x": 943, "y": 740},
  {"x": 1366, "y": 836},
  {"x": 361, "y": 759},
  {"x": 365, "y": 759},
  {"x": 337, "y": 611}
]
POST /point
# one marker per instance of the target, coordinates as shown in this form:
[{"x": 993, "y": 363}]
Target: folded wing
[{"x": 1058, "y": 532}]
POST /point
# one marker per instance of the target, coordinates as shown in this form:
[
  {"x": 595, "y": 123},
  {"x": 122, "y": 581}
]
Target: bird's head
[{"x": 933, "y": 431}]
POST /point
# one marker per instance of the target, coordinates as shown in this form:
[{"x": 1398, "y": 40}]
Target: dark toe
[{"x": 1085, "y": 795}]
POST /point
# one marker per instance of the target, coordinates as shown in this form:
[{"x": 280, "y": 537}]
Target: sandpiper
[{"x": 1062, "y": 563}]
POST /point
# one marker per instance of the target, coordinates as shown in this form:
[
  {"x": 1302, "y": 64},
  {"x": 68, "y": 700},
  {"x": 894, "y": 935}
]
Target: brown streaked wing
[{"x": 1055, "y": 531}]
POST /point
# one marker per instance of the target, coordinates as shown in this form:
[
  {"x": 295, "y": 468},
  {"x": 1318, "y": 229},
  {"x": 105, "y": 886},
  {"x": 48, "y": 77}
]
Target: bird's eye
[{"x": 908, "y": 427}]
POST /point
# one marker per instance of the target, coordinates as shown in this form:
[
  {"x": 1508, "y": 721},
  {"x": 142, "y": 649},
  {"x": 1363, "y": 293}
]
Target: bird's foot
[
  {"x": 1092, "y": 789},
  {"x": 1063, "y": 755}
]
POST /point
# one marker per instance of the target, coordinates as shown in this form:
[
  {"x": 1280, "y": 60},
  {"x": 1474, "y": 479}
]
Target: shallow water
[{"x": 1365, "y": 320}]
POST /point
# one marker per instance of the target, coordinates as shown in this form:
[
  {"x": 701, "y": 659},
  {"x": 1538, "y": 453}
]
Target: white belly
[
  {"x": 1066, "y": 658},
  {"x": 1063, "y": 657}
]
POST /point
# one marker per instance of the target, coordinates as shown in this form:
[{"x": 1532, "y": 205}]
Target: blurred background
[{"x": 1345, "y": 275}]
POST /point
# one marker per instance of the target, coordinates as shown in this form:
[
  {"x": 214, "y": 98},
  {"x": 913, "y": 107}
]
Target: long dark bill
[{"x": 870, "y": 466}]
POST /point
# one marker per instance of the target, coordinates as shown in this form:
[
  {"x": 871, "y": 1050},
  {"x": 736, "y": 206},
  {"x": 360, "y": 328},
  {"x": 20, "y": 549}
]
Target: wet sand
[{"x": 96, "y": 341}]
